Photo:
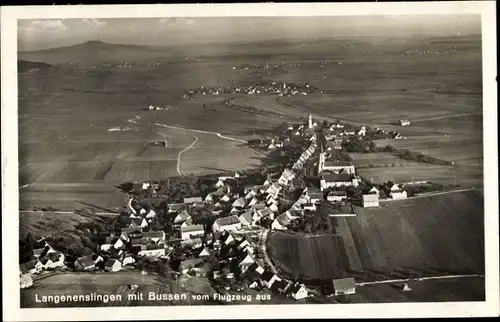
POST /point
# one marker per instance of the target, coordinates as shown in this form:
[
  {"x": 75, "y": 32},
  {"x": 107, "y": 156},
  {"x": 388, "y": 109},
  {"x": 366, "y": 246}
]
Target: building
[
  {"x": 309, "y": 121},
  {"x": 205, "y": 252},
  {"x": 374, "y": 190},
  {"x": 152, "y": 252},
  {"x": 335, "y": 166},
  {"x": 370, "y": 200},
  {"x": 192, "y": 200},
  {"x": 337, "y": 196},
  {"x": 246, "y": 219},
  {"x": 246, "y": 263},
  {"x": 112, "y": 265},
  {"x": 227, "y": 224},
  {"x": 397, "y": 192},
  {"x": 239, "y": 203},
  {"x": 297, "y": 291},
  {"x": 181, "y": 217},
  {"x": 154, "y": 236},
  {"x": 315, "y": 195},
  {"x": 337, "y": 180},
  {"x": 192, "y": 231},
  {"x": 281, "y": 222},
  {"x": 344, "y": 286},
  {"x": 404, "y": 122},
  {"x": 85, "y": 263}
]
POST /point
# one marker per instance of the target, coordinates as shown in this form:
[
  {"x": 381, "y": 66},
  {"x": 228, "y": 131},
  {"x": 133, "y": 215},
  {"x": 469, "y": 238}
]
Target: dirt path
[
  {"x": 200, "y": 131},
  {"x": 430, "y": 194},
  {"x": 180, "y": 153},
  {"x": 418, "y": 279}
]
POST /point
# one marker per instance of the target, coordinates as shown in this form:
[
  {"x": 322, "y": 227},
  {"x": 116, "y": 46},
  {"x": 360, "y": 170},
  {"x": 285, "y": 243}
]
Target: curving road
[{"x": 180, "y": 153}]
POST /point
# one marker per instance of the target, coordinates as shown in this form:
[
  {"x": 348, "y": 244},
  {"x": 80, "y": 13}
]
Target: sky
[{"x": 41, "y": 34}]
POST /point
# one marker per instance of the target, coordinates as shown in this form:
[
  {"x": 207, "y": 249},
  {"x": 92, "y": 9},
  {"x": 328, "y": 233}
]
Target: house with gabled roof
[
  {"x": 112, "y": 265},
  {"x": 337, "y": 180},
  {"x": 344, "y": 286},
  {"x": 192, "y": 200},
  {"x": 239, "y": 203},
  {"x": 85, "y": 263},
  {"x": 192, "y": 243},
  {"x": 227, "y": 224},
  {"x": 297, "y": 291},
  {"x": 337, "y": 196},
  {"x": 152, "y": 251},
  {"x": 246, "y": 218},
  {"x": 188, "y": 222},
  {"x": 181, "y": 217},
  {"x": 205, "y": 252},
  {"x": 192, "y": 231}
]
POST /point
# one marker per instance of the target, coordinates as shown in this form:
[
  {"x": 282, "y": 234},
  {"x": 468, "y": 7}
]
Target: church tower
[{"x": 309, "y": 121}]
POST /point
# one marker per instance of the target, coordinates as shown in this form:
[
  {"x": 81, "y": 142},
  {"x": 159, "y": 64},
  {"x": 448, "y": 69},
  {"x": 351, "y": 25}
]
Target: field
[
  {"x": 101, "y": 197},
  {"x": 398, "y": 239},
  {"x": 467, "y": 177},
  {"x": 449, "y": 290}
]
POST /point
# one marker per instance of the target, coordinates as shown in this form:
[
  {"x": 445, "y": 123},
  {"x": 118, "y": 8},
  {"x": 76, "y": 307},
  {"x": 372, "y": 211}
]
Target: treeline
[{"x": 413, "y": 156}]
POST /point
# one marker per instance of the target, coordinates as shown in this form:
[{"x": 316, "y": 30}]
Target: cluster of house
[
  {"x": 281, "y": 89},
  {"x": 44, "y": 258},
  {"x": 371, "y": 198},
  {"x": 280, "y": 65},
  {"x": 237, "y": 256}
]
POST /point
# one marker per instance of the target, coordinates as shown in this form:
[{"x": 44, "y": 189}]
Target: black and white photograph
[{"x": 261, "y": 160}]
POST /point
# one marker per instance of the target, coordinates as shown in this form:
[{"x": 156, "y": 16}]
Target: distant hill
[
  {"x": 26, "y": 65},
  {"x": 92, "y": 51}
]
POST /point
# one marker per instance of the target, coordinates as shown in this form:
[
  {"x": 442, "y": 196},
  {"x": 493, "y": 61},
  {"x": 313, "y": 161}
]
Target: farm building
[
  {"x": 112, "y": 265},
  {"x": 239, "y": 203},
  {"x": 181, "y": 217},
  {"x": 404, "y": 122},
  {"x": 344, "y": 286},
  {"x": 153, "y": 252},
  {"x": 370, "y": 200},
  {"x": 205, "y": 252},
  {"x": 374, "y": 190},
  {"x": 153, "y": 235},
  {"x": 85, "y": 263},
  {"x": 192, "y": 200},
  {"x": 333, "y": 145},
  {"x": 337, "y": 180},
  {"x": 192, "y": 231},
  {"x": 227, "y": 224},
  {"x": 297, "y": 291},
  {"x": 246, "y": 218},
  {"x": 337, "y": 196},
  {"x": 397, "y": 192},
  {"x": 315, "y": 195},
  {"x": 335, "y": 166},
  {"x": 281, "y": 222}
]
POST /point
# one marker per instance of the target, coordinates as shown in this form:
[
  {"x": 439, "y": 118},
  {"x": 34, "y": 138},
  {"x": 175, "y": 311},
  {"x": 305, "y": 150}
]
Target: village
[
  {"x": 279, "y": 89},
  {"x": 222, "y": 234}
]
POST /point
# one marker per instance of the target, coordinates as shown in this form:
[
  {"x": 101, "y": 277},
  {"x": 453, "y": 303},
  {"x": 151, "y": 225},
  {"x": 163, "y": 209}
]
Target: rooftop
[
  {"x": 337, "y": 177},
  {"x": 344, "y": 283},
  {"x": 226, "y": 221}
]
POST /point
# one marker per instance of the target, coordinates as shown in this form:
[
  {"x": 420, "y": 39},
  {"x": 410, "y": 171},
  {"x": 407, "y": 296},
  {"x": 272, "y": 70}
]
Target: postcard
[{"x": 249, "y": 161}]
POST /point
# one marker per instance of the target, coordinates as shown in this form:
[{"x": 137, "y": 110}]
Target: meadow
[{"x": 397, "y": 240}]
